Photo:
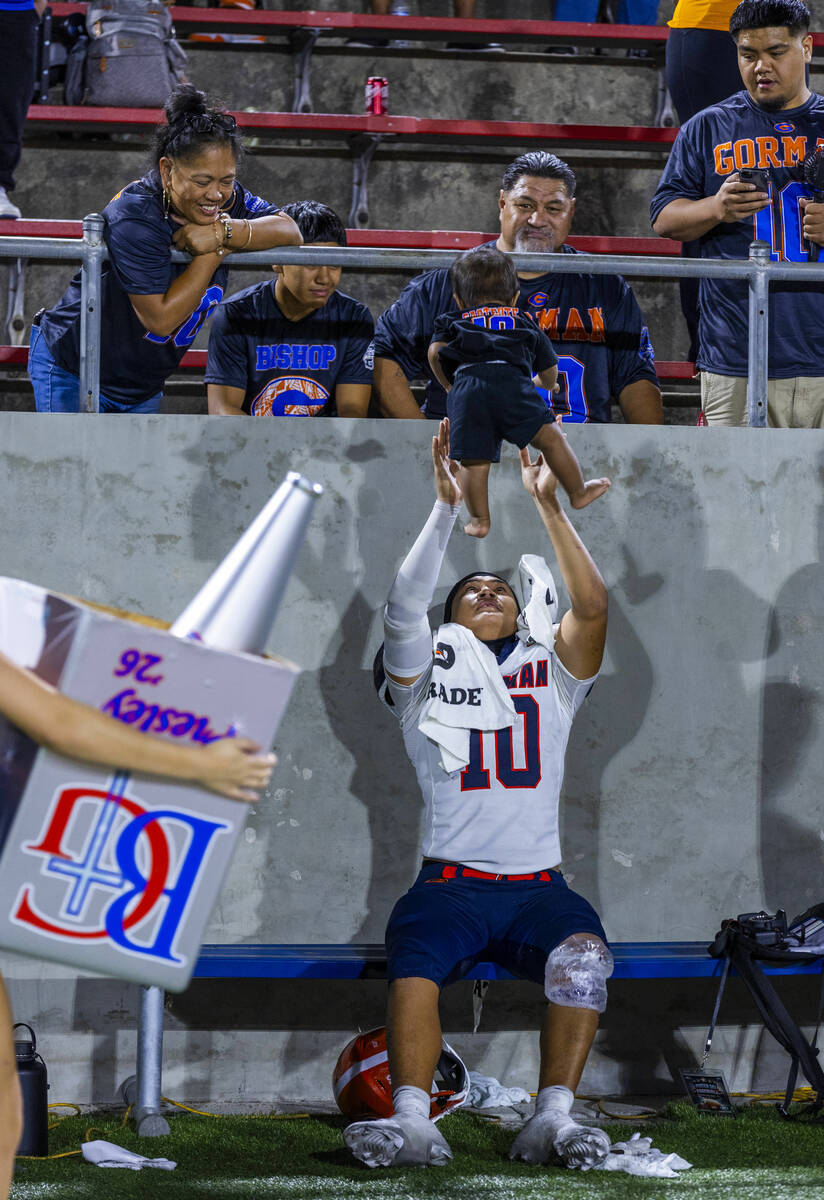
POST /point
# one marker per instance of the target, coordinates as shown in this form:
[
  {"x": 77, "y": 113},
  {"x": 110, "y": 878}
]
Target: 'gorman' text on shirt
[{"x": 761, "y": 152}]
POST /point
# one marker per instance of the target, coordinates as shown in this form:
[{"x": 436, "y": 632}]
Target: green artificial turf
[{"x": 755, "y": 1156}]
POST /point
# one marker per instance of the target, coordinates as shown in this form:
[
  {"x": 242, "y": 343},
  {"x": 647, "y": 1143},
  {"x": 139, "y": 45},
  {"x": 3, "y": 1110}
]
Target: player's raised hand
[
  {"x": 234, "y": 767},
  {"x": 447, "y": 487},
  {"x": 538, "y": 478},
  {"x": 735, "y": 201}
]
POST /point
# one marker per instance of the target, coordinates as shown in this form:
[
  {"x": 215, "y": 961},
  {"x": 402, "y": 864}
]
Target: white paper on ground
[
  {"x": 638, "y": 1156},
  {"x": 107, "y": 1154}
]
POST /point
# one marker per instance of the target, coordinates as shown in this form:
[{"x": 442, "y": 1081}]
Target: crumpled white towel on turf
[
  {"x": 486, "y": 1092},
  {"x": 639, "y": 1157},
  {"x": 107, "y": 1154}
]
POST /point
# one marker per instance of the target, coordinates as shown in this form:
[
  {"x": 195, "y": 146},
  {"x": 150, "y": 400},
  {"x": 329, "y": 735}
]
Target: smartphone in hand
[{"x": 761, "y": 179}]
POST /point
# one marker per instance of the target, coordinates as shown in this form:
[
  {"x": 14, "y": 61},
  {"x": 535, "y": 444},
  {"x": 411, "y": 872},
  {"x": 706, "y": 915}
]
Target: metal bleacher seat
[{"x": 364, "y": 133}]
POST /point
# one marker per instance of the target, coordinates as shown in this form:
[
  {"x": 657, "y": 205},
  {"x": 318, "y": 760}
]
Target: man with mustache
[{"x": 593, "y": 321}]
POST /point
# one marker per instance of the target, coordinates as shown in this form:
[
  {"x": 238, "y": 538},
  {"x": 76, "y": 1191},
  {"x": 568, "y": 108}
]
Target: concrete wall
[{"x": 694, "y": 772}]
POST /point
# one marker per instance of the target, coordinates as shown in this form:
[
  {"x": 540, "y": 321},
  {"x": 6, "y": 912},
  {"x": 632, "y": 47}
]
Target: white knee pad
[{"x": 577, "y": 972}]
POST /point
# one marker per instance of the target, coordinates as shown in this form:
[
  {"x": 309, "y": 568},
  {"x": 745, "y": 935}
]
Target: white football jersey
[{"x": 500, "y": 813}]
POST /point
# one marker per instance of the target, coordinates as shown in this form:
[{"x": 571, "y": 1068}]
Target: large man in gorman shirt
[
  {"x": 593, "y": 321},
  {"x": 772, "y": 125}
]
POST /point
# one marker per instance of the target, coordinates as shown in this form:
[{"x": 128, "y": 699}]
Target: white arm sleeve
[{"x": 407, "y": 636}]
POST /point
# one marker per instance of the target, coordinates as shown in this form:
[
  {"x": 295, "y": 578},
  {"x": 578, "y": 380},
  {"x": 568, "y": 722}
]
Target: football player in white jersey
[{"x": 485, "y": 719}]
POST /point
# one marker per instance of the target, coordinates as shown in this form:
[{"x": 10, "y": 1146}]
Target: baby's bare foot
[{"x": 592, "y": 489}]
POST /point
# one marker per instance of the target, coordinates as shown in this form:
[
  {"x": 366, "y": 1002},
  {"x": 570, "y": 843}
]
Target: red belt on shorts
[{"x": 450, "y": 870}]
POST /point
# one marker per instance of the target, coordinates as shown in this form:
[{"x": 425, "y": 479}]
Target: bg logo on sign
[{"x": 112, "y": 869}]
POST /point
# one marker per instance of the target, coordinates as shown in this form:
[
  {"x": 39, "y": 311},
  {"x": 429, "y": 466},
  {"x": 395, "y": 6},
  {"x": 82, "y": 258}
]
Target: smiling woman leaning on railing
[{"x": 151, "y": 308}]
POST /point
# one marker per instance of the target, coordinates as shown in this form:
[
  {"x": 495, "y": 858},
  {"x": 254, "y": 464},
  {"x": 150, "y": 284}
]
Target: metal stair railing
[{"x": 757, "y": 271}]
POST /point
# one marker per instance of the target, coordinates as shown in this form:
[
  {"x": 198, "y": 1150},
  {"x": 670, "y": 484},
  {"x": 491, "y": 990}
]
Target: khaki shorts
[{"x": 791, "y": 403}]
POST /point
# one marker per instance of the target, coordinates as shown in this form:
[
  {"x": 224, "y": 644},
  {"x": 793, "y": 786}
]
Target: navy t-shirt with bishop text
[{"x": 289, "y": 368}]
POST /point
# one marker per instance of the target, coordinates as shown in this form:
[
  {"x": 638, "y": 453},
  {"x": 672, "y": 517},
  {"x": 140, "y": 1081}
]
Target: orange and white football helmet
[{"x": 363, "y": 1088}]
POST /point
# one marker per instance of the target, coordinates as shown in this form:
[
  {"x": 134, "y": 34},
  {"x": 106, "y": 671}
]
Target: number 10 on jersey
[
  {"x": 780, "y": 225},
  {"x": 476, "y": 774}
]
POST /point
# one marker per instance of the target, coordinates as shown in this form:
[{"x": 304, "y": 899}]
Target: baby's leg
[
  {"x": 556, "y": 450},
  {"x": 473, "y": 477}
]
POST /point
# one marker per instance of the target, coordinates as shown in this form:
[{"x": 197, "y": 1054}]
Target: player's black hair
[
  {"x": 448, "y": 602},
  {"x": 542, "y": 165},
  {"x": 765, "y": 14},
  {"x": 317, "y": 222},
  {"x": 484, "y": 276},
  {"x": 191, "y": 126}
]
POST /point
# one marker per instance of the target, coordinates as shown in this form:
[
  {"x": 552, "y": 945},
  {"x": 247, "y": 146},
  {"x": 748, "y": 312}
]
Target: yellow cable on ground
[
  {"x": 67, "y": 1104},
  {"x": 801, "y": 1095},
  {"x": 246, "y": 1116},
  {"x": 42, "y": 1157},
  {"x": 198, "y": 1112}
]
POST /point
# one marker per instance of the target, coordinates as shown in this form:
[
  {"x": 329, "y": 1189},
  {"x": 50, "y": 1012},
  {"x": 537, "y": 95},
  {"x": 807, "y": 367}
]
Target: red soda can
[{"x": 377, "y": 95}]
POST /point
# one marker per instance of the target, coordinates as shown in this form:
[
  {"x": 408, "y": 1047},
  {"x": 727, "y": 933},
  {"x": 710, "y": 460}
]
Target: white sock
[
  {"x": 410, "y": 1101},
  {"x": 556, "y": 1097},
  {"x": 552, "y": 1134}
]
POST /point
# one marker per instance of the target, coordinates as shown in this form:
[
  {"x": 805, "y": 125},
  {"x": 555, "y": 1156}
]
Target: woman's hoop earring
[{"x": 166, "y": 202}]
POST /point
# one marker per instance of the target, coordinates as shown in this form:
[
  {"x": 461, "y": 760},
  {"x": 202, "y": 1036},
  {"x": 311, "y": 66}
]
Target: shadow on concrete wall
[
  {"x": 611, "y": 718},
  {"x": 792, "y": 712},
  {"x": 663, "y": 610}
]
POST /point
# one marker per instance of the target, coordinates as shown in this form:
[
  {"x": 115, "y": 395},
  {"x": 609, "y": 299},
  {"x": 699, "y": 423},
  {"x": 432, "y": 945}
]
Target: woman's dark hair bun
[
  {"x": 185, "y": 101},
  {"x": 192, "y": 125}
]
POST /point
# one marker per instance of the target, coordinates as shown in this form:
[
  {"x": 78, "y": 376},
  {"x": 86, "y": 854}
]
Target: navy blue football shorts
[
  {"x": 443, "y": 925},
  {"x": 490, "y": 403}
]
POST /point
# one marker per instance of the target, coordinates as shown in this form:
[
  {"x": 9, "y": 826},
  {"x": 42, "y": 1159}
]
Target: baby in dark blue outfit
[{"x": 487, "y": 356}]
